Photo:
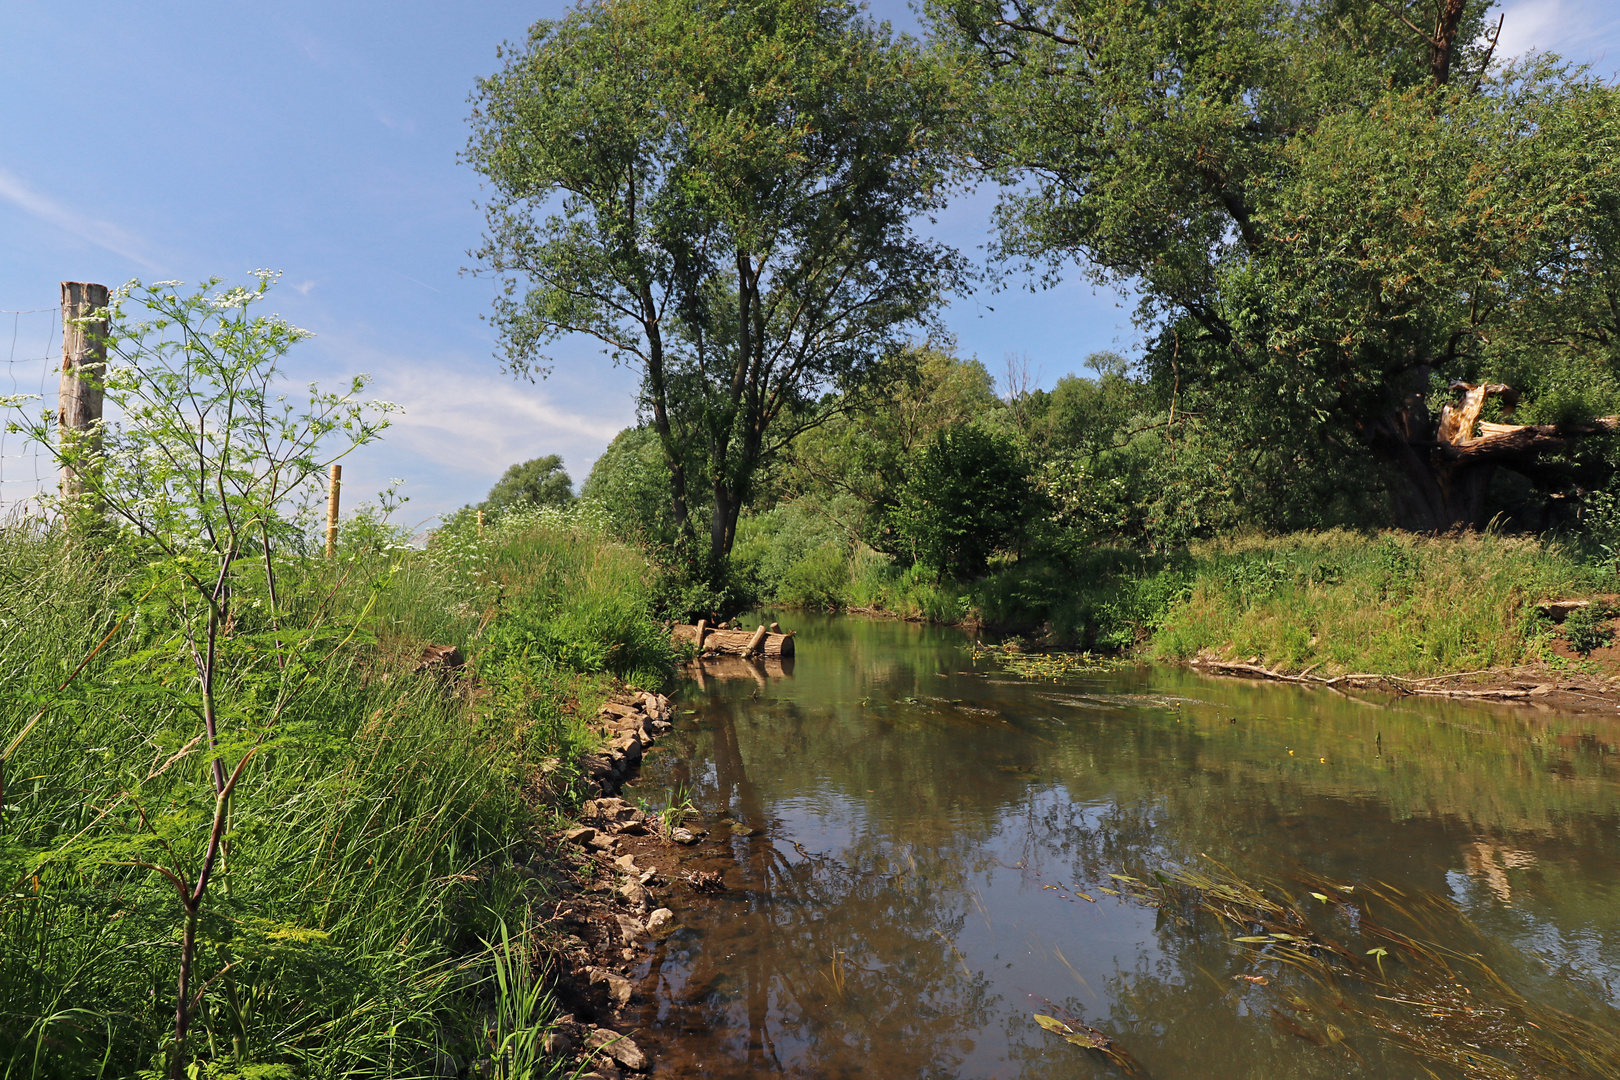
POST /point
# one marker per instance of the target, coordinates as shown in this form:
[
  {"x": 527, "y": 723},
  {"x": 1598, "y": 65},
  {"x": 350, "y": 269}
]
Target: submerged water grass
[
  {"x": 368, "y": 856},
  {"x": 1336, "y": 961}
]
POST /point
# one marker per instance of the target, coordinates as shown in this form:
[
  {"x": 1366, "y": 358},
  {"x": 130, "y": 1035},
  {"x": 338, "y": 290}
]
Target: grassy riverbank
[
  {"x": 368, "y": 864},
  {"x": 1333, "y": 601}
]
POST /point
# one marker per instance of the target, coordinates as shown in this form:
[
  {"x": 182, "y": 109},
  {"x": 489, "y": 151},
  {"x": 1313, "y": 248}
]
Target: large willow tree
[
  {"x": 1352, "y": 234},
  {"x": 723, "y": 194}
]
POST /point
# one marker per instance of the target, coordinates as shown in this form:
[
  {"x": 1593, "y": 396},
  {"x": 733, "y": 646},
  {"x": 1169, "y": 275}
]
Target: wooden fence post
[
  {"x": 332, "y": 487},
  {"x": 84, "y": 367}
]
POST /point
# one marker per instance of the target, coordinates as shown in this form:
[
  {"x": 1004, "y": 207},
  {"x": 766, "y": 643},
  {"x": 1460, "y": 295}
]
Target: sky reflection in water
[{"x": 925, "y": 828}]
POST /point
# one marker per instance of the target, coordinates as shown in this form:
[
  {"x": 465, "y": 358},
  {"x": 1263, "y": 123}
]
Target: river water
[{"x": 917, "y": 849}]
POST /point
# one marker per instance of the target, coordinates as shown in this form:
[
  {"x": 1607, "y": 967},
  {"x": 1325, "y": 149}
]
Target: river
[{"x": 917, "y": 849}]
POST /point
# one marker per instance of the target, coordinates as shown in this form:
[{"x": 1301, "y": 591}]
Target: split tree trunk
[{"x": 1448, "y": 467}]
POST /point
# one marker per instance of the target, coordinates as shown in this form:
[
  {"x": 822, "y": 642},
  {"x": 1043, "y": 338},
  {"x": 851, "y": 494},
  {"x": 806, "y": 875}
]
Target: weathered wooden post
[
  {"x": 84, "y": 367},
  {"x": 480, "y": 524},
  {"x": 332, "y": 487}
]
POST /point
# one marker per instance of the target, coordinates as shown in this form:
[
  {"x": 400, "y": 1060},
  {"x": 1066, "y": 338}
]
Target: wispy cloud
[
  {"x": 109, "y": 237},
  {"x": 479, "y": 421},
  {"x": 1578, "y": 29}
]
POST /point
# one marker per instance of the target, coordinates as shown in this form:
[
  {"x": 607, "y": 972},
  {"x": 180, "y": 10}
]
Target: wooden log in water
[{"x": 736, "y": 642}]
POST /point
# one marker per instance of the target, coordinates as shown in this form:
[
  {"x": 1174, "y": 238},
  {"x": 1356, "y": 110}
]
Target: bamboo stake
[{"x": 332, "y": 488}]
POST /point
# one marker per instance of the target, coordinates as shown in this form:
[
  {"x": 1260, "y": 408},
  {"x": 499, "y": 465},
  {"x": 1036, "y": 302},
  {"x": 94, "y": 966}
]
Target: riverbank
[
  {"x": 1503, "y": 610},
  {"x": 414, "y": 732}
]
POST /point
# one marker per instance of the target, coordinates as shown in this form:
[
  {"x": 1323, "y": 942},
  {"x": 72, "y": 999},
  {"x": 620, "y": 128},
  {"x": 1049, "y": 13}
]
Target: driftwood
[
  {"x": 760, "y": 642},
  {"x": 1422, "y": 687}
]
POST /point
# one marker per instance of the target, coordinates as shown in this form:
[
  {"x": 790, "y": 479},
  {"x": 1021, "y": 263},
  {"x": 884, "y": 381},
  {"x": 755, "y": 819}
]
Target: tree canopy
[
  {"x": 1333, "y": 212},
  {"x": 724, "y": 195},
  {"x": 540, "y": 481}
]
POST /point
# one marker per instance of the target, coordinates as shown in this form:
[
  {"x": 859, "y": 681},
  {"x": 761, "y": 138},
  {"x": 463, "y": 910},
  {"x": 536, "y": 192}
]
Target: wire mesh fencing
[{"x": 32, "y": 342}]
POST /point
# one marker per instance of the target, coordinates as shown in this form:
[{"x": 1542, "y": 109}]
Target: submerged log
[{"x": 759, "y": 642}]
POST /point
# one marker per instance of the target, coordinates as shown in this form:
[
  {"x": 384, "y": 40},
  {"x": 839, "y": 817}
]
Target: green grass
[
  {"x": 1335, "y": 601},
  {"x": 372, "y": 841},
  {"x": 1389, "y": 603}
]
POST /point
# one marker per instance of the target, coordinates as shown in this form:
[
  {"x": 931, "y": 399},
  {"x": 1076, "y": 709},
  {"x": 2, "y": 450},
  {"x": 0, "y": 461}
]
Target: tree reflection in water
[
  {"x": 813, "y": 965},
  {"x": 911, "y": 899}
]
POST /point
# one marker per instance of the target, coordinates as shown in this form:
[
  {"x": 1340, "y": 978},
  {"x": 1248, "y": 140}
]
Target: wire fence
[{"x": 32, "y": 342}]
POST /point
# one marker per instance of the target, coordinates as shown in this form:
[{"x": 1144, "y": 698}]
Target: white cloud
[
  {"x": 303, "y": 287},
  {"x": 92, "y": 230},
  {"x": 1579, "y": 30},
  {"x": 479, "y": 423}
]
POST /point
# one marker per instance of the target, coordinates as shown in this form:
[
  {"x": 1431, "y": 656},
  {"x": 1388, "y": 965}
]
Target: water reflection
[{"x": 917, "y": 851}]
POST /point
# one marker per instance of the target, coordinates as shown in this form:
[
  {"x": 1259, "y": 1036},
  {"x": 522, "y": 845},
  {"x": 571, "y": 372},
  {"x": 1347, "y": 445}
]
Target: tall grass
[
  {"x": 1390, "y": 603},
  {"x": 370, "y": 845},
  {"x": 1338, "y": 601}
]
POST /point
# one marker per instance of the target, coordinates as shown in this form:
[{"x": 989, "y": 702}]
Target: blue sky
[{"x": 184, "y": 140}]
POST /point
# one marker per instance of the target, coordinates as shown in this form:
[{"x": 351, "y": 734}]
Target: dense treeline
[{"x": 1376, "y": 266}]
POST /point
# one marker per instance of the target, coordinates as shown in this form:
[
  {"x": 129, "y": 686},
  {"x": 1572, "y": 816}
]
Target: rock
[
  {"x": 629, "y": 746},
  {"x": 557, "y": 1043},
  {"x": 618, "y": 1047},
  {"x": 632, "y": 828},
  {"x": 635, "y": 893},
  {"x": 739, "y": 829},
  {"x": 627, "y": 863},
  {"x": 1559, "y": 610},
  {"x": 581, "y": 835},
  {"x": 682, "y": 835},
  {"x": 630, "y": 929},
  {"x": 595, "y": 766},
  {"x": 1542, "y": 690},
  {"x": 661, "y": 923},
  {"x": 616, "y": 988},
  {"x": 613, "y": 708},
  {"x": 440, "y": 659},
  {"x": 601, "y": 842}
]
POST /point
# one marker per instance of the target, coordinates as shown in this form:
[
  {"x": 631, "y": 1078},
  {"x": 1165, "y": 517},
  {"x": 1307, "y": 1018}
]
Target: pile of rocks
[
  {"x": 629, "y": 728},
  {"x": 613, "y": 912}
]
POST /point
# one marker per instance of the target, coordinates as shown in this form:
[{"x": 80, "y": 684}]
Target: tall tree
[
  {"x": 1332, "y": 209},
  {"x": 540, "y": 481},
  {"x": 723, "y": 194}
]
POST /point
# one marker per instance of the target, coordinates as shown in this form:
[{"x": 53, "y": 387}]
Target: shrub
[{"x": 968, "y": 495}]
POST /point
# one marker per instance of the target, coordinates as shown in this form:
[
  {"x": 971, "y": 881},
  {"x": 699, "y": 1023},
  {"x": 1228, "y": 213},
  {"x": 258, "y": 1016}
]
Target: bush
[{"x": 968, "y": 495}]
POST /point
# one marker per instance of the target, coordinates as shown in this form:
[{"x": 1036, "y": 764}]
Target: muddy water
[{"x": 916, "y": 850}]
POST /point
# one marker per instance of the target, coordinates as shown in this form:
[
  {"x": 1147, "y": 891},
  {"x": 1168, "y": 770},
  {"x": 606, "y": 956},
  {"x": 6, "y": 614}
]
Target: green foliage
[
  {"x": 537, "y": 482},
  {"x": 853, "y": 466},
  {"x": 968, "y": 495},
  {"x": 579, "y": 603},
  {"x": 796, "y": 555},
  {"x": 630, "y": 481},
  {"x": 1340, "y": 601},
  {"x": 1585, "y": 629},
  {"x": 724, "y": 196},
  {"x": 229, "y": 784},
  {"x": 1331, "y": 212}
]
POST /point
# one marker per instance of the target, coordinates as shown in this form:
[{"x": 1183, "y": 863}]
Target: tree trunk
[{"x": 1447, "y": 468}]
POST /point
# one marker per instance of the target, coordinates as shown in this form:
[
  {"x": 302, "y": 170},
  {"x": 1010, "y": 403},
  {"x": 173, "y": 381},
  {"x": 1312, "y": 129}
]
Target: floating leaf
[
  {"x": 1052, "y": 1023},
  {"x": 1263, "y": 939},
  {"x": 1322, "y": 897}
]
